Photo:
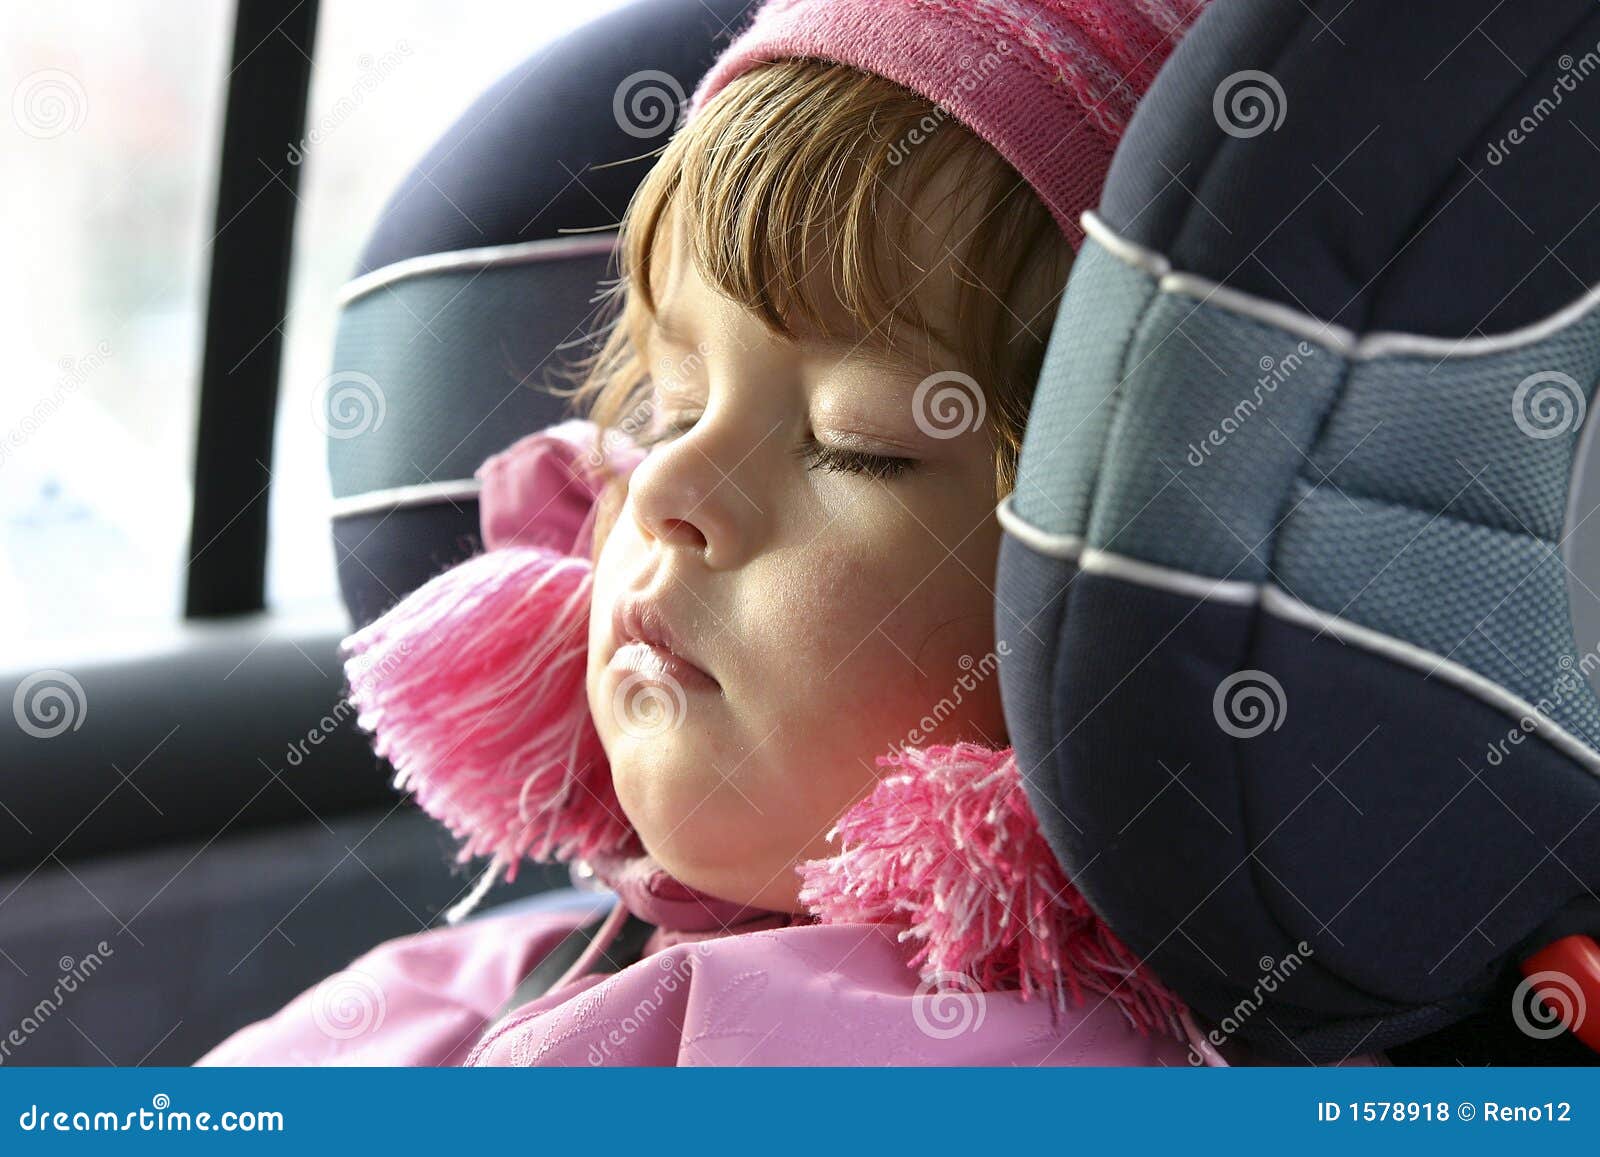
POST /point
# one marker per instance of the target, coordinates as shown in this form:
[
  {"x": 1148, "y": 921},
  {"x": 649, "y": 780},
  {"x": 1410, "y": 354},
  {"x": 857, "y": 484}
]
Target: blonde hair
[{"x": 802, "y": 161}]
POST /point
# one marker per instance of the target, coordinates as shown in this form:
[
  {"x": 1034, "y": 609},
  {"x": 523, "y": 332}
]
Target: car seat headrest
[
  {"x": 479, "y": 284},
  {"x": 1293, "y": 676}
]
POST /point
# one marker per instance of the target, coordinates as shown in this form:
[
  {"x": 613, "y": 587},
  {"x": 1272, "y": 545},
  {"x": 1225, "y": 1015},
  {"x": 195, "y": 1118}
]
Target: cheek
[{"x": 875, "y": 637}]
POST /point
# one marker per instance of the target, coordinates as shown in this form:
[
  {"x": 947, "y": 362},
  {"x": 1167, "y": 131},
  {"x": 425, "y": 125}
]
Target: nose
[{"x": 683, "y": 495}]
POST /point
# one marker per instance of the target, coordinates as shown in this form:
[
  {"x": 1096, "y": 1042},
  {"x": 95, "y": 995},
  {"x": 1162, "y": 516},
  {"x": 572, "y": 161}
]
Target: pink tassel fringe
[
  {"x": 949, "y": 846},
  {"x": 473, "y": 686}
]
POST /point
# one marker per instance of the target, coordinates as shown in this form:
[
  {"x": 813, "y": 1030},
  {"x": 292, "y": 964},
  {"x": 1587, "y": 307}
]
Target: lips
[{"x": 646, "y": 643}]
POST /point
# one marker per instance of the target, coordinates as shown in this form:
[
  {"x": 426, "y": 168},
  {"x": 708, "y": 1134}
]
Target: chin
[
  {"x": 777, "y": 889},
  {"x": 691, "y": 845},
  {"x": 699, "y": 828}
]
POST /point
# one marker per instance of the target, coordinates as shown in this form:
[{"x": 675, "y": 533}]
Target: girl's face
[{"x": 816, "y": 534}]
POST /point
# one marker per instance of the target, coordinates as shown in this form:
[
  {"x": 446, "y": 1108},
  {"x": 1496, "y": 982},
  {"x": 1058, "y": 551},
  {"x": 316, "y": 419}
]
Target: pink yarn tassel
[
  {"x": 949, "y": 846},
  {"x": 473, "y": 686}
]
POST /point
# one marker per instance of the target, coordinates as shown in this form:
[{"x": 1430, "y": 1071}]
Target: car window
[{"x": 109, "y": 144}]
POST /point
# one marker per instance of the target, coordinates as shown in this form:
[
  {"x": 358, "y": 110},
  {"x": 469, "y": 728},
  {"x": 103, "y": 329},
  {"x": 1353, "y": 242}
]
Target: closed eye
[
  {"x": 817, "y": 456},
  {"x": 833, "y": 458}
]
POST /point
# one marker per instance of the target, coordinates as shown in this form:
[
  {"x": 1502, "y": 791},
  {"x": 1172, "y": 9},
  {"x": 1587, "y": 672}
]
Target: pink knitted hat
[{"x": 1049, "y": 84}]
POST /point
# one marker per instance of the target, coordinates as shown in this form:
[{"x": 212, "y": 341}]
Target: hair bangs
[{"x": 804, "y": 191}]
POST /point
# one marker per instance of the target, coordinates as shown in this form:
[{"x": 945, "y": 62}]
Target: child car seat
[
  {"x": 479, "y": 283},
  {"x": 1293, "y": 674}
]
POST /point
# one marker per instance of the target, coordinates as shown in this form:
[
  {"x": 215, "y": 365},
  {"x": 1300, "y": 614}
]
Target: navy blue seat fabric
[{"x": 1286, "y": 581}]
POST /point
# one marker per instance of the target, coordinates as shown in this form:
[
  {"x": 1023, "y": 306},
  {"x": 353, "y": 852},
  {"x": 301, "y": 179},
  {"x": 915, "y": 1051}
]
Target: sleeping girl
[{"x": 730, "y": 650}]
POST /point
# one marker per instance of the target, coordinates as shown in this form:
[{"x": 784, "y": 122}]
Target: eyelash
[{"x": 830, "y": 458}]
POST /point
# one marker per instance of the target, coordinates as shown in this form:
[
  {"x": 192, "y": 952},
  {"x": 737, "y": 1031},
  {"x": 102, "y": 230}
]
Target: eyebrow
[{"x": 872, "y": 353}]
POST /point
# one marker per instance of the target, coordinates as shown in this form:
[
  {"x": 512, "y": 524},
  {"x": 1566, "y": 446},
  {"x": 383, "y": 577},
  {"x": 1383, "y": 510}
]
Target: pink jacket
[
  {"x": 943, "y": 933},
  {"x": 804, "y": 994},
  {"x": 764, "y": 992}
]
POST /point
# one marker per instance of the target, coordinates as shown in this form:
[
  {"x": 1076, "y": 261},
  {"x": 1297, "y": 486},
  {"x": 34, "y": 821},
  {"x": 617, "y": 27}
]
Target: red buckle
[{"x": 1565, "y": 975}]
